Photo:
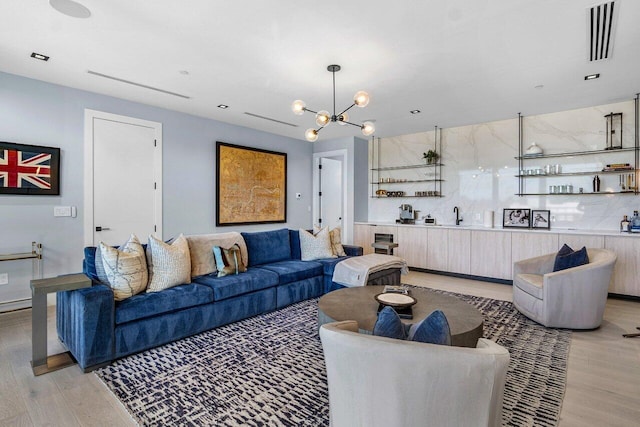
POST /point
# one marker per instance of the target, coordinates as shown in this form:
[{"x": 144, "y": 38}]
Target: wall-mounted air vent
[{"x": 601, "y": 22}]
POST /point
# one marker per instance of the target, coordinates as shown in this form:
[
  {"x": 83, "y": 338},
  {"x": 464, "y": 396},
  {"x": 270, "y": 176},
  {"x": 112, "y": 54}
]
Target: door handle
[{"x": 102, "y": 228}]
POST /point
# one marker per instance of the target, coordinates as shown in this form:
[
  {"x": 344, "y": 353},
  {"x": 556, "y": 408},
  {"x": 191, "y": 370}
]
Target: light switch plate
[
  {"x": 62, "y": 211},
  {"x": 4, "y": 279}
]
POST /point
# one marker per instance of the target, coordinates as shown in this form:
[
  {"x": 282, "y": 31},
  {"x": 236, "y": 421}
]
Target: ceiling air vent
[
  {"x": 601, "y": 22},
  {"x": 270, "y": 119}
]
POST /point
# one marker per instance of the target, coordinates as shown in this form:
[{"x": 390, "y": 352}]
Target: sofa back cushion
[
  {"x": 265, "y": 247},
  {"x": 89, "y": 263},
  {"x": 294, "y": 239}
]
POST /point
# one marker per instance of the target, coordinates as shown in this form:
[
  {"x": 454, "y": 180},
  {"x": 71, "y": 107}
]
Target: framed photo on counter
[
  {"x": 516, "y": 218},
  {"x": 541, "y": 219}
]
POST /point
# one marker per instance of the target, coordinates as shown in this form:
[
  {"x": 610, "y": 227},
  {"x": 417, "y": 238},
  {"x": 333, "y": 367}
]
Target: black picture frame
[
  {"x": 251, "y": 185},
  {"x": 516, "y": 218},
  {"x": 540, "y": 219},
  {"x": 29, "y": 170}
]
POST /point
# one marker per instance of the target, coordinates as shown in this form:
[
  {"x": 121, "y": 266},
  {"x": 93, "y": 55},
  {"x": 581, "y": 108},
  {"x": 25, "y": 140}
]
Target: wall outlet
[{"x": 4, "y": 278}]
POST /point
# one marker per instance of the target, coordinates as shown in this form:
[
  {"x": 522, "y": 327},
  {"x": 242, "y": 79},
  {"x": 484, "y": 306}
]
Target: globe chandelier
[{"x": 323, "y": 118}]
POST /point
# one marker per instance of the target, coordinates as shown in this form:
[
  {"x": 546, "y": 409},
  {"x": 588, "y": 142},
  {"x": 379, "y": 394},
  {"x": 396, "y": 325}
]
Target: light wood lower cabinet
[
  {"x": 491, "y": 254},
  {"x": 626, "y": 274},
  {"x": 577, "y": 241},
  {"x": 529, "y": 245},
  {"x": 412, "y": 246},
  {"x": 363, "y": 236},
  {"x": 437, "y": 249},
  {"x": 459, "y": 251}
]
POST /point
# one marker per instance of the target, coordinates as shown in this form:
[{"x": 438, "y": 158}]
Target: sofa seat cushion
[
  {"x": 254, "y": 279},
  {"x": 329, "y": 264},
  {"x": 293, "y": 270},
  {"x": 530, "y": 283},
  {"x": 154, "y": 303}
]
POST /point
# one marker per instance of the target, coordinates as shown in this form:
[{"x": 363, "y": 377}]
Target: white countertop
[{"x": 515, "y": 229}]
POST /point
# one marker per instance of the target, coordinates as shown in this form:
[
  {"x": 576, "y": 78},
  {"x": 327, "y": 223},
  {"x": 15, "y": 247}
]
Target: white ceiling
[{"x": 458, "y": 61}]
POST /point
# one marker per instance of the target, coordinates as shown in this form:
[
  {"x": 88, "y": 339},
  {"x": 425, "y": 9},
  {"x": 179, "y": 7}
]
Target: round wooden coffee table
[{"x": 359, "y": 304}]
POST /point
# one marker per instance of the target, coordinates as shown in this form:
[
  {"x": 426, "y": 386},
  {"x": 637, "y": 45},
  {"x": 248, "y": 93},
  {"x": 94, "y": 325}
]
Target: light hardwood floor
[{"x": 603, "y": 385}]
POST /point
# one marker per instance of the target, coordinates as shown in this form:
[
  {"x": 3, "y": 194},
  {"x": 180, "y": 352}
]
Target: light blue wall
[{"x": 34, "y": 112}]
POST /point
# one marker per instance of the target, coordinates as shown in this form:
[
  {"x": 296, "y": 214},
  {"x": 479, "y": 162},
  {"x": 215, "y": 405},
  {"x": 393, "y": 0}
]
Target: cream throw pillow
[
  {"x": 125, "y": 268},
  {"x": 315, "y": 247},
  {"x": 335, "y": 236},
  {"x": 169, "y": 265},
  {"x": 201, "y": 250}
]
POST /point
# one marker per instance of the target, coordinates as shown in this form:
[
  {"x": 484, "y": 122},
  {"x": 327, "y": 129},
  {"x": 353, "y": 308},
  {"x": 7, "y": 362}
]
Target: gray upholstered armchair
[
  {"x": 573, "y": 298},
  {"x": 381, "y": 382}
]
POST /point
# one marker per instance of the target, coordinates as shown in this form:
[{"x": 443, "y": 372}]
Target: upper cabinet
[
  {"x": 415, "y": 180},
  {"x": 613, "y": 169}
]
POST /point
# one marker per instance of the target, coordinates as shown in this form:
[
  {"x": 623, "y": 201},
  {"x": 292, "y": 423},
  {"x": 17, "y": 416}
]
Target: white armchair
[
  {"x": 383, "y": 382},
  {"x": 573, "y": 298}
]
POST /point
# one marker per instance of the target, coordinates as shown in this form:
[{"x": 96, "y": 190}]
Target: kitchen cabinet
[
  {"x": 365, "y": 234},
  {"x": 413, "y": 246},
  {"x": 528, "y": 245},
  {"x": 577, "y": 241},
  {"x": 459, "y": 251},
  {"x": 626, "y": 274},
  {"x": 491, "y": 254},
  {"x": 437, "y": 249}
]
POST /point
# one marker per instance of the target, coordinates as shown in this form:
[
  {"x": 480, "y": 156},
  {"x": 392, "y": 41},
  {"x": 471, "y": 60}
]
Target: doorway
[
  {"x": 330, "y": 191},
  {"x": 123, "y": 178}
]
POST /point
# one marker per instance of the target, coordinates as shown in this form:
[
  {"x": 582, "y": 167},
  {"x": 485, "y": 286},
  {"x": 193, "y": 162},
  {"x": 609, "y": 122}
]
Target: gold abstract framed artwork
[{"x": 251, "y": 185}]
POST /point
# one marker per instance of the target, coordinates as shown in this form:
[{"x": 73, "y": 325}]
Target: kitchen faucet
[{"x": 457, "y": 211}]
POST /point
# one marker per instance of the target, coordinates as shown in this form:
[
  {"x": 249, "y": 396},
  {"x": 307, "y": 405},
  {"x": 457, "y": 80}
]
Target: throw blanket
[{"x": 355, "y": 271}]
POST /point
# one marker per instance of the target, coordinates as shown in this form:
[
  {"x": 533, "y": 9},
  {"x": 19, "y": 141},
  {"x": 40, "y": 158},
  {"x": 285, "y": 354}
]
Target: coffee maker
[{"x": 406, "y": 214}]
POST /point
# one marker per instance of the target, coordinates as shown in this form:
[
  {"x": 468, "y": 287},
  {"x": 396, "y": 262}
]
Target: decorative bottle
[
  {"x": 596, "y": 184},
  {"x": 635, "y": 223},
  {"x": 624, "y": 225}
]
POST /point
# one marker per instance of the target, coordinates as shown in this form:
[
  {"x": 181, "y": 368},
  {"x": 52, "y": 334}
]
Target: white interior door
[
  {"x": 331, "y": 208},
  {"x": 124, "y": 182}
]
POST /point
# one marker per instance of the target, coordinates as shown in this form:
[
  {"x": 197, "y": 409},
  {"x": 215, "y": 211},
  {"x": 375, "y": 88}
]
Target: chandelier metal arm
[
  {"x": 346, "y": 109},
  {"x": 309, "y": 110},
  {"x": 352, "y": 124}
]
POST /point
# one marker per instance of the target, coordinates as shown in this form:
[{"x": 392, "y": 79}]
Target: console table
[
  {"x": 35, "y": 255},
  {"x": 41, "y": 363}
]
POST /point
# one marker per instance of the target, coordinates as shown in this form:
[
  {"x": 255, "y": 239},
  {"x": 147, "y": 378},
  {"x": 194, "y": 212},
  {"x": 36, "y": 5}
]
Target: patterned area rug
[{"x": 269, "y": 371}]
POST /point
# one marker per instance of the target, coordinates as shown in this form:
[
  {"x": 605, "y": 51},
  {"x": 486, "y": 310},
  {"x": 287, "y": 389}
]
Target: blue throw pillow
[
  {"x": 434, "y": 329},
  {"x": 570, "y": 259},
  {"x": 389, "y": 325}
]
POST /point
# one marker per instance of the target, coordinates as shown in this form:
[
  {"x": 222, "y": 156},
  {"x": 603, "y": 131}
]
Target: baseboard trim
[
  {"x": 624, "y": 297},
  {"x": 15, "y": 305},
  {"x": 464, "y": 276}
]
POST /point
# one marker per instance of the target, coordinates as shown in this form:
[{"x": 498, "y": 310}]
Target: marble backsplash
[{"x": 480, "y": 169}]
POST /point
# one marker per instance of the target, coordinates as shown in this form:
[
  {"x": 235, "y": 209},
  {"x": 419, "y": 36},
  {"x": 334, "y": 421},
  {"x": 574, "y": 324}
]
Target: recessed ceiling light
[
  {"x": 39, "y": 56},
  {"x": 415, "y": 111},
  {"x": 224, "y": 107},
  {"x": 70, "y": 8},
  {"x": 592, "y": 76}
]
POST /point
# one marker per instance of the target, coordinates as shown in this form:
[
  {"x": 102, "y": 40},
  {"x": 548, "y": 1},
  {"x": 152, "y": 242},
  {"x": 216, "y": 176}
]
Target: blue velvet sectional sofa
[{"x": 98, "y": 330}]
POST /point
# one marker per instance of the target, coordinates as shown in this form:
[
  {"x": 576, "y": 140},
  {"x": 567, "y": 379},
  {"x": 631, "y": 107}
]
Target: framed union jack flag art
[{"x": 29, "y": 169}]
